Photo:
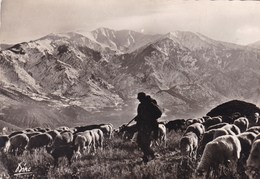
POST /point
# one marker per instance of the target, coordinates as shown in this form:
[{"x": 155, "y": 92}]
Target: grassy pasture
[{"x": 119, "y": 159}]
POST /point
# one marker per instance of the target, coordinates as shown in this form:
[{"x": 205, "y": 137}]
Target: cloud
[
  {"x": 221, "y": 20},
  {"x": 251, "y": 32}
]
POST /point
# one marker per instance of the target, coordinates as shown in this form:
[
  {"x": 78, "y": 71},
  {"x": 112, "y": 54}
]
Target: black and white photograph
[{"x": 135, "y": 89}]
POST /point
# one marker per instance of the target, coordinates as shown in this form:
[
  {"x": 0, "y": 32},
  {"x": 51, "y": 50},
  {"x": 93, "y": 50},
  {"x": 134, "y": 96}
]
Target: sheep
[
  {"x": 176, "y": 125},
  {"x": 253, "y": 161},
  {"x": 67, "y": 136},
  {"x": 206, "y": 138},
  {"x": 220, "y": 132},
  {"x": 15, "y": 133},
  {"x": 18, "y": 144},
  {"x": 246, "y": 140},
  {"x": 39, "y": 141},
  {"x": 64, "y": 138},
  {"x": 31, "y": 134},
  {"x": 210, "y": 135},
  {"x": 39, "y": 129},
  {"x": 232, "y": 129},
  {"x": 216, "y": 126},
  {"x": 53, "y": 133},
  {"x": 242, "y": 123},
  {"x": 79, "y": 143},
  {"x": 87, "y": 127},
  {"x": 212, "y": 121},
  {"x": 189, "y": 122},
  {"x": 127, "y": 132},
  {"x": 62, "y": 128},
  {"x": 197, "y": 128},
  {"x": 29, "y": 130},
  {"x": 189, "y": 145},
  {"x": 228, "y": 150},
  {"x": 107, "y": 130},
  {"x": 98, "y": 136},
  {"x": 161, "y": 138},
  {"x": 67, "y": 151},
  {"x": 255, "y": 129},
  {"x": 83, "y": 141}
]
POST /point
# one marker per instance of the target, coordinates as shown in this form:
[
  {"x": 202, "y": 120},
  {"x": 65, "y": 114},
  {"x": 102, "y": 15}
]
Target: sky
[{"x": 231, "y": 21}]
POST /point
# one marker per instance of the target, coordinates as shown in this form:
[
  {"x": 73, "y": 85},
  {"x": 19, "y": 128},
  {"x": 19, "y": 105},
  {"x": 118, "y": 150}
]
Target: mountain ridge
[{"x": 184, "y": 71}]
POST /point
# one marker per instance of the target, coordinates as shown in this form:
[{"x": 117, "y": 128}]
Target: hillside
[
  {"x": 99, "y": 73},
  {"x": 255, "y": 45},
  {"x": 187, "y": 69}
]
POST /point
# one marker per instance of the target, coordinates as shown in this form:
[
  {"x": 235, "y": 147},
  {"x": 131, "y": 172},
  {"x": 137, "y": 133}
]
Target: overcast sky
[{"x": 231, "y": 21}]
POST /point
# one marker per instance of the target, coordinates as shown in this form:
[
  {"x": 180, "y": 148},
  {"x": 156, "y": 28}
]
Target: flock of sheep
[
  {"x": 215, "y": 143},
  {"x": 221, "y": 146},
  {"x": 59, "y": 142}
]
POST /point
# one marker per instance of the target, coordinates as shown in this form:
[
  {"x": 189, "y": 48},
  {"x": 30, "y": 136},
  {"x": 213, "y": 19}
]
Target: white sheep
[
  {"x": 224, "y": 150},
  {"x": 253, "y": 161}
]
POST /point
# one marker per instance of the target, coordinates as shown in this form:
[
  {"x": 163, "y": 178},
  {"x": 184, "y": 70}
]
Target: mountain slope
[
  {"x": 54, "y": 71},
  {"x": 122, "y": 41},
  {"x": 4, "y": 46},
  {"x": 255, "y": 45},
  {"x": 64, "y": 78},
  {"x": 184, "y": 68}
]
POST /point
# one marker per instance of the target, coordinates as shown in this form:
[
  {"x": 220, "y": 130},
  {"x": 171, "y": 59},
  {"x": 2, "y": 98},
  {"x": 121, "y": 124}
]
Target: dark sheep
[
  {"x": 246, "y": 140},
  {"x": 216, "y": 126},
  {"x": 220, "y": 132},
  {"x": 242, "y": 123},
  {"x": 62, "y": 151},
  {"x": 176, "y": 125},
  {"x": 39, "y": 129},
  {"x": 212, "y": 121},
  {"x": 39, "y": 141},
  {"x": 15, "y": 133},
  {"x": 207, "y": 137},
  {"x": 18, "y": 144},
  {"x": 189, "y": 122},
  {"x": 127, "y": 132},
  {"x": 88, "y": 127},
  {"x": 31, "y": 134},
  {"x": 28, "y": 130}
]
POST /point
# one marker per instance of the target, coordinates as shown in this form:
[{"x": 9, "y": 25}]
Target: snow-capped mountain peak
[{"x": 184, "y": 71}]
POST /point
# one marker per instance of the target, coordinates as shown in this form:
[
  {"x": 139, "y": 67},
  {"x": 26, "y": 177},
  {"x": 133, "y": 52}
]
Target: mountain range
[{"x": 70, "y": 78}]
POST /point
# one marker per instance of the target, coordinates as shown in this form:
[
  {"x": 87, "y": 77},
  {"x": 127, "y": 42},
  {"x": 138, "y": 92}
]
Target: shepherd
[{"x": 147, "y": 114}]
